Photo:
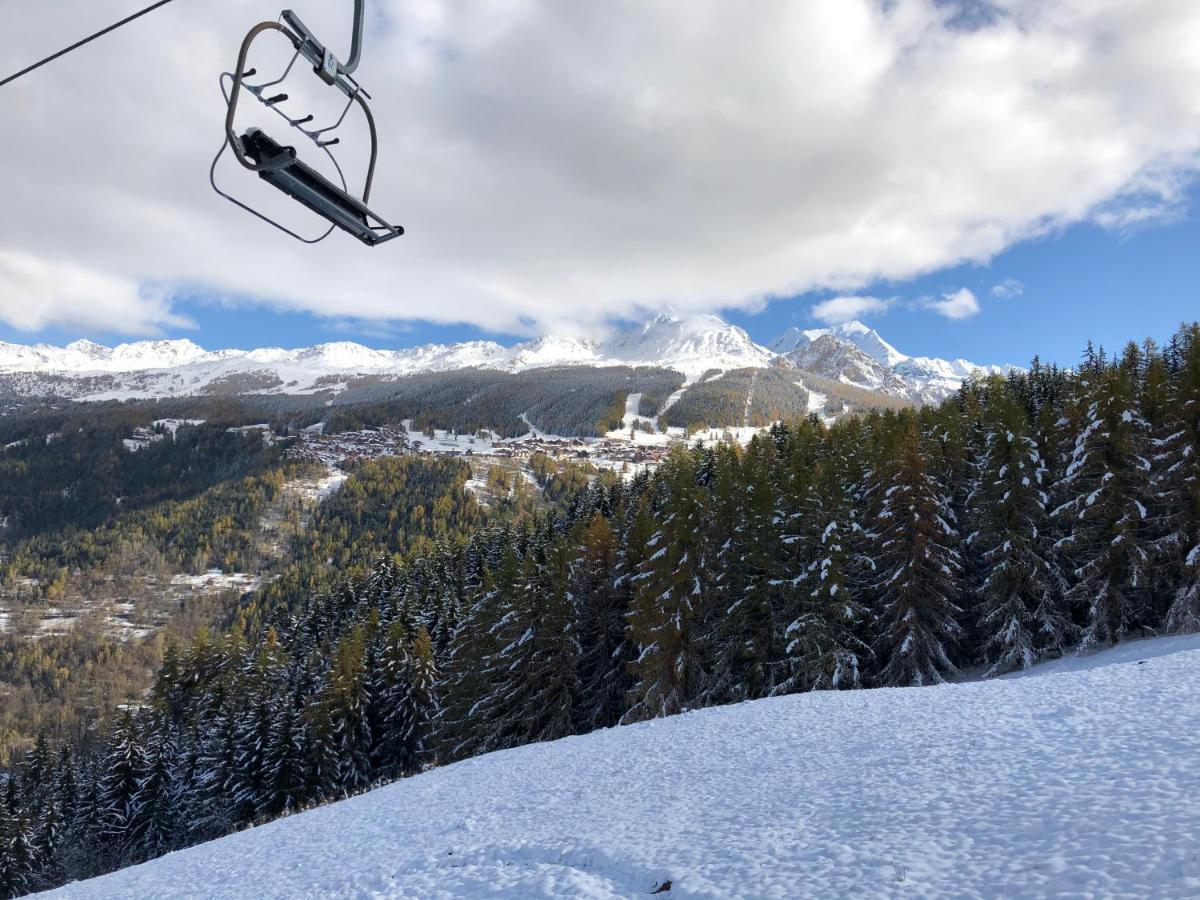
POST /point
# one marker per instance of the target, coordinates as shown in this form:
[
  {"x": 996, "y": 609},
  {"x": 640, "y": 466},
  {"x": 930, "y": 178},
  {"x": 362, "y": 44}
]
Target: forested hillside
[{"x": 1028, "y": 516}]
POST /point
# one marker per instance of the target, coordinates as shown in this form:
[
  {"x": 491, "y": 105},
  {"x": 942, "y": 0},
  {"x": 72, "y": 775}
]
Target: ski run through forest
[{"x": 1030, "y": 516}]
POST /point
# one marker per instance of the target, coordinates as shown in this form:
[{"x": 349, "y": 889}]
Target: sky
[{"x": 987, "y": 180}]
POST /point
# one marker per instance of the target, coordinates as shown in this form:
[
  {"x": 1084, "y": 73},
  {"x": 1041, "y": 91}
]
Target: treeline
[{"x": 1029, "y": 516}]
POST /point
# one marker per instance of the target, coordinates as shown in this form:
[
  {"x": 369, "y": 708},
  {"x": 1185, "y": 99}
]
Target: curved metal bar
[
  {"x": 238, "y": 75},
  {"x": 212, "y": 179},
  {"x": 366, "y": 197},
  {"x": 315, "y": 135},
  {"x": 257, "y": 89},
  {"x": 356, "y": 40}
]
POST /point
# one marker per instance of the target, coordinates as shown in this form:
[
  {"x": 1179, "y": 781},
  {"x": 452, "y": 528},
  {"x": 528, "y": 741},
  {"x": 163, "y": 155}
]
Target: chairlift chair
[{"x": 279, "y": 164}]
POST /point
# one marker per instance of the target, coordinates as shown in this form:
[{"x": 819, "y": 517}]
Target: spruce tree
[
  {"x": 669, "y": 620},
  {"x": 917, "y": 566},
  {"x": 825, "y": 648},
  {"x": 1106, "y": 490},
  {"x": 601, "y": 606},
  {"x": 533, "y": 673},
  {"x": 122, "y": 769},
  {"x": 1017, "y": 593},
  {"x": 747, "y": 645},
  {"x": 1176, "y": 486},
  {"x": 153, "y": 826}
]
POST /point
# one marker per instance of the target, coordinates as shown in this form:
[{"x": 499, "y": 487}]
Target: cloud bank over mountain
[{"x": 560, "y": 165}]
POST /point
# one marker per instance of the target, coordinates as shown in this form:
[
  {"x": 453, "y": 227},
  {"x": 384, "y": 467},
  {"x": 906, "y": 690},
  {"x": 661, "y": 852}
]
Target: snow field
[{"x": 1083, "y": 782}]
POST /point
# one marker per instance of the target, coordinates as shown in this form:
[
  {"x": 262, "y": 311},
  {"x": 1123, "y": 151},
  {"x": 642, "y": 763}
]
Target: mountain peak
[{"x": 691, "y": 343}]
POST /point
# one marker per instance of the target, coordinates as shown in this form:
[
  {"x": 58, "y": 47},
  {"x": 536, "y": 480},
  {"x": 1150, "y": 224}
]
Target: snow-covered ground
[{"x": 1083, "y": 782}]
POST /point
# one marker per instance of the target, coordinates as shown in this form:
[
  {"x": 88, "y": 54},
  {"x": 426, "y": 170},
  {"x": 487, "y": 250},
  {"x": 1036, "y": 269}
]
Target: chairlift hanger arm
[{"x": 325, "y": 63}]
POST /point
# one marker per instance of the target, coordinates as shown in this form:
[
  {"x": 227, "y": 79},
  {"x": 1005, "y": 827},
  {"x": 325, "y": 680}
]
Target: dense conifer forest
[{"x": 1029, "y": 516}]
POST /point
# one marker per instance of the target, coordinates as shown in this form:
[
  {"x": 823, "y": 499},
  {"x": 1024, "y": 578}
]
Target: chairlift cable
[{"x": 86, "y": 40}]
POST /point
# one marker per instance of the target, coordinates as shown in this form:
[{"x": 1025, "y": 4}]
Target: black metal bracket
[{"x": 324, "y": 62}]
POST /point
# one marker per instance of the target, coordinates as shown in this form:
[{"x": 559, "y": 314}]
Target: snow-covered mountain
[
  {"x": 877, "y": 366},
  {"x": 1080, "y": 779},
  {"x": 693, "y": 345}
]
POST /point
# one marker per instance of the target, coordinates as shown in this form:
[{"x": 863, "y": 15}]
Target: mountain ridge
[{"x": 852, "y": 353}]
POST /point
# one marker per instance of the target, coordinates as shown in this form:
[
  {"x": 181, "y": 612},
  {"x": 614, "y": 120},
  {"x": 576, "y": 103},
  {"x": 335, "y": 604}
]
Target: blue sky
[{"x": 1085, "y": 283}]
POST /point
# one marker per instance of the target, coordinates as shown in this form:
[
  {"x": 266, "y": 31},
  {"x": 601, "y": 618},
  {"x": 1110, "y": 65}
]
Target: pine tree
[
  {"x": 917, "y": 567},
  {"x": 409, "y": 722},
  {"x": 1106, "y": 488},
  {"x": 825, "y": 650},
  {"x": 669, "y": 621},
  {"x": 1176, "y": 486},
  {"x": 601, "y": 606},
  {"x": 121, "y": 771},
  {"x": 534, "y": 675},
  {"x": 287, "y": 753},
  {"x": 18, "y": 856},
  {"x": 747, "y": 645},
  {"x": 468, "y": 680},
  {"x": 1017, "y": 594},
  {"x": 342, "y": 738},
  {"x": 152, "y": 825}
]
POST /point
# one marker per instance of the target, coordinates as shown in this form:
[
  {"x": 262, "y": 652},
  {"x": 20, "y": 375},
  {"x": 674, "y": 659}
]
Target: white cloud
[
  {"x": 837, "y": 310},
  {"x": 557, "y": 164},
  {"x": 1008, "y": 289},
  {"x": 35, "y": 293},
  {"x": 960, "y": 304}
]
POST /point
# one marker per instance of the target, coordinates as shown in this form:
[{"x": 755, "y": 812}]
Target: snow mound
[{"x": 1082, "y": 782}]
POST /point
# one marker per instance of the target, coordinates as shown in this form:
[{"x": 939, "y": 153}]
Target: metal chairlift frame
[{"x": 277, "y": 164}]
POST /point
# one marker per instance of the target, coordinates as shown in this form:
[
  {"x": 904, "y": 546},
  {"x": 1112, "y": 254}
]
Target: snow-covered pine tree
[
  {"x": 341, "y": 732},
  {"x": 824, "y": 637},
  {"x": 668, "y": 620},
  {"x": 412, "y": 719},
  {"x": 286, "y": 759},
  {"x": 467, "y": 680},
  {"x": 1017, "y": 608},
  {"x": 533, "y": 673},
  {"x": 1106, "y": 489},
  {"x": 18, "y": 856},
  {"x": 403, "y": 702},
  {"x": 249, "y": 785},
  {"x": 1177, "y": 483},
  {"x": 600, "y": 610},
  {"x": 744, "y": 545},
  {"x": 53, "y": 830},
  {"x": 917, "y": 565},
  {"x": 121, "y": 771},
  {"x": 153, "y": 825}
]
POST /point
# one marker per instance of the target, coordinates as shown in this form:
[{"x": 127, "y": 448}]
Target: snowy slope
[
  {"x": 692, "y": 345},
  {"x": 1082, "y": 782}
]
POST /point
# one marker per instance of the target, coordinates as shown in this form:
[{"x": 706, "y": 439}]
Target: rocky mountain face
[
  {"x": 856, "y": 354},
  {"x": 853, "y": 354}
]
